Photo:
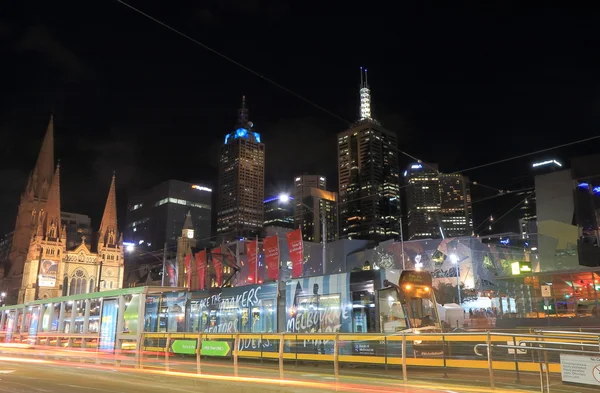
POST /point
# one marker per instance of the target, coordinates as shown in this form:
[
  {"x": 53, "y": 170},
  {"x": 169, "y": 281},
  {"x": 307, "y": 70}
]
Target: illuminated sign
[
  {"x": 201, "y": 188},
  {"x": 547, "y": 162},
  {"x": 242, "y": 133},
  {"x": 416, "y": 166},
  {"x": 415, "y": 278},
  {"x": 520, "y": 267}
]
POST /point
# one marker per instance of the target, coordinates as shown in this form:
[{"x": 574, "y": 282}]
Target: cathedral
[{"x": 40, "y": 265}]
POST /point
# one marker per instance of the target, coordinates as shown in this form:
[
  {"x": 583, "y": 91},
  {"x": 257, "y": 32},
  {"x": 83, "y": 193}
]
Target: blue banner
[{"x": 108, "y": 326}]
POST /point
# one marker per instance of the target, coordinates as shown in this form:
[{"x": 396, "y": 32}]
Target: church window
[
  {"x": 78, "y": 283},
  {"x": 92, "y": 287}
]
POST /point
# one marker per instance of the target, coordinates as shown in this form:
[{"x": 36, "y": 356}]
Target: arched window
[
  {"x": 92, "y": 288},
  {"x": 78, "y": 283}
]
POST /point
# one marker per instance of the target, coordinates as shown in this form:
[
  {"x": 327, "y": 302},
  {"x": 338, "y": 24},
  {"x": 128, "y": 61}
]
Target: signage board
[
  {"x": 520, "y": 267},
  {"x": 215, "y": 348},
  {"x": 415, "y": 277},
  {"x": 184, "y": 347},
  {"x": 546, "y": 291},
  {"x": 580, "y": 369},
  {"x": 48, "y": 271}
]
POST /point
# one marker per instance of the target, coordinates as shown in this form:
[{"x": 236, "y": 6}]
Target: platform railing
[{"x": 493, "y": 356}]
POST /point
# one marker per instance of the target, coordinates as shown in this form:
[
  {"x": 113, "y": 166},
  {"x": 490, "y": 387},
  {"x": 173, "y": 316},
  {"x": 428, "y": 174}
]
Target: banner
[
  {"x": 271, "y": 246},
  {"x": 108, "y": 325},
  {"x": 187, "y": 261},
  {"x": 48, "y": 271},
  {"x": 217, "y": 260},
  {"x": 201, "y": 268},
  {"x": 252, "y": 253},
  {"x": 296, "y": 251}
]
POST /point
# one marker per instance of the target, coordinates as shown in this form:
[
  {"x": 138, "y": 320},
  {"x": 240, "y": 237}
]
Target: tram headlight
[
  {"x": 426, "y": 289},
  {"x": 418, "y": 342},
  {"x": 407, "y": 287}
]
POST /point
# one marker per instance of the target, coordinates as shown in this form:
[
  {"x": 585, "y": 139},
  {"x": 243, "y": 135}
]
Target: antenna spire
[{"x": 365, "y": 96}]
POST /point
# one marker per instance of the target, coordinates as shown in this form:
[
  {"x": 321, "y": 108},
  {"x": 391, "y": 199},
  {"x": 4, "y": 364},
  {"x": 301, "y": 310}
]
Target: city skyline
[{"x": 138, "y": 115}]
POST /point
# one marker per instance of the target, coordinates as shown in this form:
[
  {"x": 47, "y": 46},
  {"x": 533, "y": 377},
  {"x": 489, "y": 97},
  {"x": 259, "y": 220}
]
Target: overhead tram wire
[
  {"x": 216, "y": 52},
  {"x": 345, "y": 121},
  {"x": 258, "y": 74},
  {"x": 509, "y": 210}
]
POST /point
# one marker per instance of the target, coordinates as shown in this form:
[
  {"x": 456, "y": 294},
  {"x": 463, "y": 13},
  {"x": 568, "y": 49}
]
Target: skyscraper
[
  {"x": 368, "y": 176},
  {"x": 438, "y": 204},
  {"x": 241, "y": 181}
]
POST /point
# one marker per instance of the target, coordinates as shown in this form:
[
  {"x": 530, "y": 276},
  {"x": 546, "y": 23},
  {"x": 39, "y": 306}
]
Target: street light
[
  {"x": 285, "y": 198},
  {"x": 455, "y": 260}
]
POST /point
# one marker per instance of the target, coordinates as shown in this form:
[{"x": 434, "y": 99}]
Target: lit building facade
[
  {"x": 302, "y": 189},
  {"x": 241, "y": 181},
  {"x": 368, "y": 175},
  {"x": 279, "y": 213},
  {"x": 438, "y": 204},
  {"x": 323, "y": 210},
  {"x": 156, "y": 216}
]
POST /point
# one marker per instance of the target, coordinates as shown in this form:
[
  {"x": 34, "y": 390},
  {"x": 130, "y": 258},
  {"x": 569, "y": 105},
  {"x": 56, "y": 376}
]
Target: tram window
[
  {"x": 363, "y": 312},
  {"x": 392, "y": 317}
]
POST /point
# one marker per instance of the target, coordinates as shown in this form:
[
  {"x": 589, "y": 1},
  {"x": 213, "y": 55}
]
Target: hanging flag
[
  {"x": 187, "y": 262},
  {"x": 217, "y": 260},
  {"x": 296, "y": 250},
  {"x": 251, "y": 252},
  {"x": 201, "y": 268},
  {"x": 271, "y": 246},
  {"x": 171, "y": 274}
]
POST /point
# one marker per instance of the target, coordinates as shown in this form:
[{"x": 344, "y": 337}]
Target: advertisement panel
[
  {"x": 108, "y": 325},
  {"x": 33, "y": 326},
  {"x": 252, "y": 252},
  {"x": 48, "y": 271},
  {"x": 319, "y": 305}
]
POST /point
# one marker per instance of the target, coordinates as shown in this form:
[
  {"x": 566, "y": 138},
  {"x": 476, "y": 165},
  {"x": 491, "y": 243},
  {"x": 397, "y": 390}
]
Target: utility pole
[
  {"x": 402, "y": 245},
  {"x": 37, "y": 277},
  {"x": 324, "y": 235},
  {"x": 164, "y": 265}
]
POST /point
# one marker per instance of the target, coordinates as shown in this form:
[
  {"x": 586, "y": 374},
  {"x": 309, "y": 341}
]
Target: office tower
[
  {"x": 279, "y": 213},
  {"x": 368, "y": 176},
  {"x": 157, "y": 215},
  {"x": 455, "y": 207},
  {"x": 319, "y": 207},
  {"x": 241, "y": 181},
  {"x": 438, "y": 204},
  {"x": 423, "y": 201}
]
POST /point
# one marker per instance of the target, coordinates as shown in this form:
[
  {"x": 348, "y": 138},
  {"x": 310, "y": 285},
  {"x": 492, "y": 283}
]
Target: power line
[
  {"x": 528, "y": 154},
  {"x": 229, "y": 59},
  {"x": 511, "y": 209}
]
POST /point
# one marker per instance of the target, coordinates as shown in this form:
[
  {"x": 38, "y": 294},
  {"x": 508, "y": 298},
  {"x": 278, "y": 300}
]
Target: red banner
[
  {"x": 201, "y": 268},
  {"x": 217, "y": 260},
  {"x": 271, "y": 246},
  {"x": 187, "y": 262},
  {"x": 296, "y": 250},
  {"x": 252, "y": 253}
]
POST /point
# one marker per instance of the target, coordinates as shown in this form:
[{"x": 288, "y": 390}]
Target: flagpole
[{"x": 256, "y": 262}]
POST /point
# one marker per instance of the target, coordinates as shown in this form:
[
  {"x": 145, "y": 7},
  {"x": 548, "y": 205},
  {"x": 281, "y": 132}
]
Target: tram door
[{"x": 363, "y": 286}]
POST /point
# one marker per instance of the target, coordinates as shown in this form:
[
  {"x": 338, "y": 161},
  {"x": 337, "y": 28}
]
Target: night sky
[{"x": 461, "y": 84}]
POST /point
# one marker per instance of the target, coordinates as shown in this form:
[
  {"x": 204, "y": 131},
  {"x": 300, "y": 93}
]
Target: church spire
[
  {"x": 107, "y": 235},
  {"x": 365, "y": 96},
  {"x": 41, "y": 177},
  {"x": 51, "y": 218},
  {"x": 188, "y": 221}
]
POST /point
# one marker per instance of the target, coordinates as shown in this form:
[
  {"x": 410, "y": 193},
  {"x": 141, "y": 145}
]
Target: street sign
[
  {"x": 215, "y": 348},
  {"x": 546, "y": 291},
  {"x": 580, "y": 369},
  {"x": 184, "y": 347}
]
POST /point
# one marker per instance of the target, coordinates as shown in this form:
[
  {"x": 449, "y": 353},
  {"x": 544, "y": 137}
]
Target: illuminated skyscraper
[
  {"x": 438, "y": 204},
  {"x": 368, "y": 175},
  {"x": 241, "y": 181}
]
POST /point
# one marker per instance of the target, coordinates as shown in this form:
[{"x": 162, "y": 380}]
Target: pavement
[{"x": 58, "y": 371}]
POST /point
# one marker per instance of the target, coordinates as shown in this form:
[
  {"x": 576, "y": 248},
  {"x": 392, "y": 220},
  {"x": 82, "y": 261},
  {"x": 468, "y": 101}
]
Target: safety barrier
[{"x": 509, "y": 352}]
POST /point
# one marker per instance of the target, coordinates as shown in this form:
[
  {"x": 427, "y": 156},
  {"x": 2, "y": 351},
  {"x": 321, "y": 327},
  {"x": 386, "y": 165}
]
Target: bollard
[
  {"x": 199, "y": 354},
  {"x": 336, "y": 352},
  {"x": 404, "y": 376},
  {"x": 281, "y": 346},
  {"x": 236, "y": 344},
  {"x": 490, "y": 363}
]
